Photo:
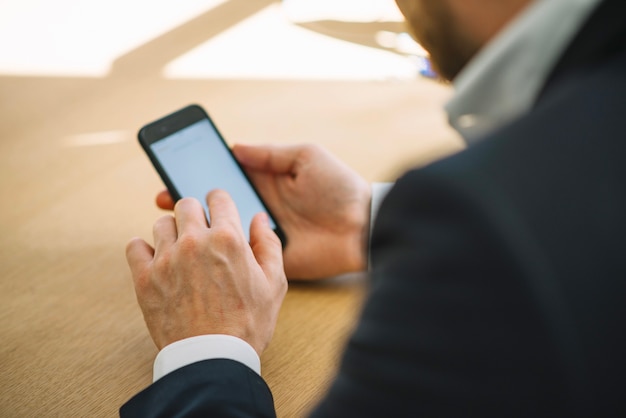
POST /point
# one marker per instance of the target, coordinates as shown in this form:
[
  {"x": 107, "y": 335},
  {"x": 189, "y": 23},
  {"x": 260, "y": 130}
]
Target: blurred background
[
  {"x": 77, "y": 81},
  {"x": 119, "y": 64}
]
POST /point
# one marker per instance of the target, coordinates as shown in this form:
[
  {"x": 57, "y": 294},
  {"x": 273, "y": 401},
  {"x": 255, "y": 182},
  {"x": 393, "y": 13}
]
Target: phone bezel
[{"x": 174, "y": 122}]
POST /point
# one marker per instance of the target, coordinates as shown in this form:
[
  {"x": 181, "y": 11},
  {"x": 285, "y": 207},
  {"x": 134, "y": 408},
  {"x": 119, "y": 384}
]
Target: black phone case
[{"x": 174, "y": 122}]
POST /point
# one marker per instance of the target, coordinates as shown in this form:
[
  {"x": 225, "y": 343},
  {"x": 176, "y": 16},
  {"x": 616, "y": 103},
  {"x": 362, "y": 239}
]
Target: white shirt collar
[{"x": 504, "y": 79}]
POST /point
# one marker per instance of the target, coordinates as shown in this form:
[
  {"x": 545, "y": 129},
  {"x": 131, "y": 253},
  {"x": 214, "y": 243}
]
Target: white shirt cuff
[
  {"x": 204, "y": 347},
  {"x": 379, "y": 191}
]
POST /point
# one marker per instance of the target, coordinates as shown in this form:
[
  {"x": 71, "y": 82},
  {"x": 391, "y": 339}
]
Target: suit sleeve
[
  {"x": 211, "y": 388},
  {"x": 449, "y": 327}
]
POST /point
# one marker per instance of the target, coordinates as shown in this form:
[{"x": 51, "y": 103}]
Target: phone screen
[{"x": 196, "y": 161}]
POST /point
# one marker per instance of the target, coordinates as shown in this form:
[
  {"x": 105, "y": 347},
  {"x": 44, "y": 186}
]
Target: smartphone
[{"x": 192, "y": 159}]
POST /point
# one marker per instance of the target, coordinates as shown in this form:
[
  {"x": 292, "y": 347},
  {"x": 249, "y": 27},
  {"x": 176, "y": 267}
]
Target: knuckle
[
  {"x": 226, "y": 238},
  {"x": 189, "y": 243},
  {"x": 143, "y": 282},
  {"x": 163, "y": 263}
]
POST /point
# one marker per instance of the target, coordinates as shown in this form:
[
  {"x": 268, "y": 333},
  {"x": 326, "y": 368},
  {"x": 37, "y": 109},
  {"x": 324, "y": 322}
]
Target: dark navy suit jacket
[{"x": 499, "y": 274}]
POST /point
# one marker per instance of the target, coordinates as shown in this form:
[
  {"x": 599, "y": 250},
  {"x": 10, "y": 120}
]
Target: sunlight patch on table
[{"x": 268, "y": 46}]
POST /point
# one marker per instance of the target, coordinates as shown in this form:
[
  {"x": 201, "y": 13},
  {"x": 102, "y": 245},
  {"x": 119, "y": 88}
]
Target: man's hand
[
  {"x": 321, "y": 204},
  {"x": 199, "y": 280}
]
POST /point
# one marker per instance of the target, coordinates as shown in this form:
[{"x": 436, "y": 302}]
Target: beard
[{"x": 434, "y": 27}]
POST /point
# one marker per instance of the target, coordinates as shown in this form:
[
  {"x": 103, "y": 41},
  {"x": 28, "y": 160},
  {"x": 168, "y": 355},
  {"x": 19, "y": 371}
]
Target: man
[{"x": 497, "y": 274}]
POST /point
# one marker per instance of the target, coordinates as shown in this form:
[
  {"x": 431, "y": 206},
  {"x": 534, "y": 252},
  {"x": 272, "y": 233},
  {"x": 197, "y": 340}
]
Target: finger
[
  {"x": 189, "y": 215},
  {"x": 139, "y": 255},
  {"x": 267, "y": 248},
  {"x": 164, "y": 232},
  {"x": 271, "y": 158},
  {"x": 222, "y": 210},
  {"x": 164, "y": 200},
  {"x": 266, "y": 185}
]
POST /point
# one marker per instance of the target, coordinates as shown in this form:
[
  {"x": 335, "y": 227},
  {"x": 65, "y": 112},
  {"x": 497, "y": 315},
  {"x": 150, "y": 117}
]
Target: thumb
[
  {"x": 267, "y": 247},
  {"x": 270, "y": 158}
]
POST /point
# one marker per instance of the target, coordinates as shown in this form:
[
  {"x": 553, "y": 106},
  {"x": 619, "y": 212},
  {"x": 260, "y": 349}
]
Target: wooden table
[{"x": 76, "y": 186}]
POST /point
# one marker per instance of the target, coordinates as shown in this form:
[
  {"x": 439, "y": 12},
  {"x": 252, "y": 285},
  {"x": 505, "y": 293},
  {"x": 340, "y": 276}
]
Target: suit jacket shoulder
[{"x": 498, "y": 273}]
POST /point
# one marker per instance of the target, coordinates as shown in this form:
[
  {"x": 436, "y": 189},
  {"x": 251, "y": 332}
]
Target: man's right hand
[{"x": 321, "y": 204}]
